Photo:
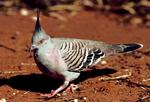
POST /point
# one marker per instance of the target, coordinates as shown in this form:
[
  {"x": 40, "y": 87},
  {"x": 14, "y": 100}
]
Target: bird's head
[
  {"x": 39, "y": 38},
  {"x": 39, "y": 41}
]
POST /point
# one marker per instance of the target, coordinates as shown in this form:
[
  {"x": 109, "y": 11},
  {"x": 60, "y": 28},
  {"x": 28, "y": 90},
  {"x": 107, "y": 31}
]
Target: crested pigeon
[{"x": 65, "y": 58}]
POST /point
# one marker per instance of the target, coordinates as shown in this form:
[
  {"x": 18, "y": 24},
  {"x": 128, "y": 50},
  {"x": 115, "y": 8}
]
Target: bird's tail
[{"x": 121, "y": 48}]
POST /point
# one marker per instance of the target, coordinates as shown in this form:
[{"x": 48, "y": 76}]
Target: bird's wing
[{"x": 79, "y": 54}]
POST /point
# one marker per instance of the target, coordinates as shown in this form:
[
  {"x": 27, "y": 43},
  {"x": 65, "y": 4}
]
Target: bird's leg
[
  {"x": 87, "y": 69},
  {"x": 72, "y": 87},
  {"x": 55, "y": 92}
]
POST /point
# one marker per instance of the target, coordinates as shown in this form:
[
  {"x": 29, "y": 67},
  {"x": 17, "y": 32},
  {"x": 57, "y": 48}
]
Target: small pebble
[
  {"x": 17, "y": 33},
  {"x": 88, "y": 3},
  {"x": 103, "y": 62},
  {"x": 24, "y": 12},
  {"x": 136, "y": 21},
  {"x": 3, "y": 100},
  {"x": 84, "y": 98},
  {"x": 34, "y": 18},
  {"x": 75, "y": 100},
  {"x": 14, "y": 93},
  {"x": 8, "y": 3}
]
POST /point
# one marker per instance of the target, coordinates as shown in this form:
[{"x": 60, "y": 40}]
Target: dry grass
[{"x": 135, "y": 12}]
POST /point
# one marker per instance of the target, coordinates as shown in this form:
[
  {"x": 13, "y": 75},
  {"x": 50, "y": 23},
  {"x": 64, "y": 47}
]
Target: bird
[{"x": 66, "y": 58}]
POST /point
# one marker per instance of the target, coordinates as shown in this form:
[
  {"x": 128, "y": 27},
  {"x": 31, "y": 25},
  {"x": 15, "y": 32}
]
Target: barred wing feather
[{"x": 78, "y": 55}]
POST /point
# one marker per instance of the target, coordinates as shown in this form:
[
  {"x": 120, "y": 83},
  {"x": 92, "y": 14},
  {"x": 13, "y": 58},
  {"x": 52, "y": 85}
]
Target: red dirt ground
[{"x": 26, "y": 86}]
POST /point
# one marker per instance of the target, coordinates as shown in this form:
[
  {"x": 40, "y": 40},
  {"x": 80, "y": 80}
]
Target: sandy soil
[{"x": 26, "y": 85}]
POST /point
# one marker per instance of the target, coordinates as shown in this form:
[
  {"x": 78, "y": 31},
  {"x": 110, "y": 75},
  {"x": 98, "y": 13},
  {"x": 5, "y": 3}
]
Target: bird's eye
[{"x": 41, "y": 41}]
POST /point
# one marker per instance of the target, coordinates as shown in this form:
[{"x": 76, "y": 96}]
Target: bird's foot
[
  {"x": 72, "y": 88},
  {"x": 54, "y": 92},
  {"x": 49, "y": 95}
]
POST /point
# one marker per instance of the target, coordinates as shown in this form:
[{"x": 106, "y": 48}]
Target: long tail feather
[{"x": 120, "y": 48}]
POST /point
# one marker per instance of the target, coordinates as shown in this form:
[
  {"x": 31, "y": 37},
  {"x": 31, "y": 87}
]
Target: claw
[
  {"x": 54, "y": 92},
  {"x": 72, "y": 88}
]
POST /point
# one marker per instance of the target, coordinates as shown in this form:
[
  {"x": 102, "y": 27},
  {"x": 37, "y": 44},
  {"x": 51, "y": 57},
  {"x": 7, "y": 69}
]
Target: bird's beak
[{"x": 33, "y": 47}]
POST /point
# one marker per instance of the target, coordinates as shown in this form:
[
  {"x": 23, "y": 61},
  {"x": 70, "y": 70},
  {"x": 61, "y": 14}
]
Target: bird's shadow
[{"x": 44, "y": 84}]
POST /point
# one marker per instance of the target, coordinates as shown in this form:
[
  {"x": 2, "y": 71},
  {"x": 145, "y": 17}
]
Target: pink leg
[
  {"x": 55, "y": 92},
  {"x": 72, "y": 87},
  {"x": 87, "y": 69}
]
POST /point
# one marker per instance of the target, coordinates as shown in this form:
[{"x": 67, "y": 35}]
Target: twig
[
  {"x": 10, "y": 49},
  {"x": 129, "y": 8},
  {"x": 25, "y": 93},
  {"x": 145, "y": 3},
  {"x": 11, "y": 72},
  {"x": 57, "y": 16},
  {"x": 145, "y": 97},
  {"x": 27, "y": 64},
  {"x": 116, "y": 78},
  {"x": 146, "y": 79},
  {"x": 65, "y": 7}
]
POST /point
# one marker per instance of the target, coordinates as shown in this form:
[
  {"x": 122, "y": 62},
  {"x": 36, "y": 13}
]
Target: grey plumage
[
  {"x": 79, "y": 54},
  {"x": 65, "y": 57}
]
